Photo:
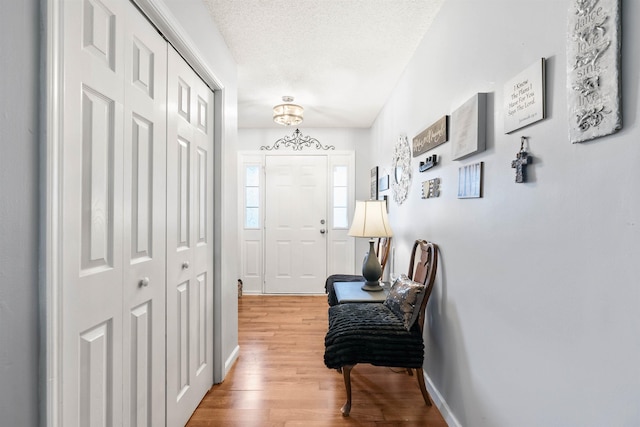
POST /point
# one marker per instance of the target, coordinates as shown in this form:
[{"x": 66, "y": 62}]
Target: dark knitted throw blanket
[{"x": 370, "y": 333}]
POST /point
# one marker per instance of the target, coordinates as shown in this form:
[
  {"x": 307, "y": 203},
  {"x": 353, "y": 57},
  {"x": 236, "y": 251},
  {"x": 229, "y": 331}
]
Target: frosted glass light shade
[
  {"x": 370, "y": 219},
  {"x": 288, "y": 114}
]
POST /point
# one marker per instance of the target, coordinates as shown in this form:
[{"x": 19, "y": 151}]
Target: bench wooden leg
[
  {"x": 346, "y": 373},
  {"x": 423, "y": 387}
]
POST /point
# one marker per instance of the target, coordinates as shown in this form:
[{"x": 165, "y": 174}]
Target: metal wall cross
[{"x": 521, "y": 162}]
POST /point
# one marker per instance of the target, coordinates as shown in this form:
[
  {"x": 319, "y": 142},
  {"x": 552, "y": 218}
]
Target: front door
[{"x": 296, "y": 224}]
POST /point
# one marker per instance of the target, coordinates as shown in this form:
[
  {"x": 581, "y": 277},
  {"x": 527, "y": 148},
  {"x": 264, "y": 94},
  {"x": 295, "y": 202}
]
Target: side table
[{"x": 347, "y": 292}]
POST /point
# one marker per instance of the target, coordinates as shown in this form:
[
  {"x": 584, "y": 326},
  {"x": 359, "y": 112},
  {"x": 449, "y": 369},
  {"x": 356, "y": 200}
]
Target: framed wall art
[
  {"x": 524, "y": 97},
  {"x": 470, "y": 181},
  {"x": 469, "y": 127}
]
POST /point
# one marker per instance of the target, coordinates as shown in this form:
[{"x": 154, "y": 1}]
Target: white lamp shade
[{"x": 370, "y": 219}]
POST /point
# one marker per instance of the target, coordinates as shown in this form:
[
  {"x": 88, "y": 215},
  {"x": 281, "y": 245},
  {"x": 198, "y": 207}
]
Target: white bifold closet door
[
  {"x": 189, "y": 240},
  {"x": 119, "y": 187},
  {"x": 113, "y": 217}
]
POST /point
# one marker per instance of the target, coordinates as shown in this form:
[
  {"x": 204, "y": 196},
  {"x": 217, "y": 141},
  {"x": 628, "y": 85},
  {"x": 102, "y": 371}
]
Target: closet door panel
[
  {"x": 145, "y": 57},
  {"x": 91, "y": 215},
  {"x": 189, "y": 237},
  {"x": 112, "y": 302}
]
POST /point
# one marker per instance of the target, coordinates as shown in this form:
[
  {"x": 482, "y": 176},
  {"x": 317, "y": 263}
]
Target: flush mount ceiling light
[{"x": 287, "y": 114}]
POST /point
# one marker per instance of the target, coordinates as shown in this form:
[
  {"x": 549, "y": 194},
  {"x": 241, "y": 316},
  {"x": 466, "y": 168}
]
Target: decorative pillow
[{"x": 404, "y": 300}]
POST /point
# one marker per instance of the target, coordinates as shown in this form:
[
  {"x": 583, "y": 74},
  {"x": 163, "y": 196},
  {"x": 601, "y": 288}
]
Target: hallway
[{"x": 280, "y": 378}]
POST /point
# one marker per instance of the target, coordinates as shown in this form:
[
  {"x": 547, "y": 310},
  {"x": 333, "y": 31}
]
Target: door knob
[
  {"x": 323, "y": 231},
  {"x": 185, "y": 265},
  {"x": 144, "y": 282}
]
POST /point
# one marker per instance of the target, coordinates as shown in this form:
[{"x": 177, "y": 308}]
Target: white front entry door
[
  {"x": 296, "y": 224},
  {"x": 189, "y": 240}
]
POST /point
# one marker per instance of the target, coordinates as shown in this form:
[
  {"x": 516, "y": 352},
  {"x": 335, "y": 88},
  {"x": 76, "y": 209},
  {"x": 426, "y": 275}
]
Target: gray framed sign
[{"x": 468, "y": 127}]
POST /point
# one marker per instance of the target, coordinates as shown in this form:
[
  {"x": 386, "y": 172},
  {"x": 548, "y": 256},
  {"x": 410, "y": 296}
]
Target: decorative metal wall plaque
[
  {"x": 468, "y": 127},
  {"x": 593, "y": 69},
  {"x": 431, "y": 188},
  {"x": 297, "y": 141},
  {"x": 428, "y": 163},
  {"x": 524, "y": 98},
  {"x": 431, "y": 137},
  {"x": 470, "y": 181},
  {"x": 401, "y": 170}
]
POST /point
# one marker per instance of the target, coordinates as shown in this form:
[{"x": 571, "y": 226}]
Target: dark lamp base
[{"x": 371, "y": 287}]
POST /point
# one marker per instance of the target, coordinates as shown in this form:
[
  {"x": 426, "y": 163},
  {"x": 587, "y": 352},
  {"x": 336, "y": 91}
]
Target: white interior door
[
  {"x": 296, "y": 224},
  {"x": 92, "y": 221},
  {"x": 189, "y": 240},
  {"x": 145, "y": 188},
  {"x": 112, "y": 302}
]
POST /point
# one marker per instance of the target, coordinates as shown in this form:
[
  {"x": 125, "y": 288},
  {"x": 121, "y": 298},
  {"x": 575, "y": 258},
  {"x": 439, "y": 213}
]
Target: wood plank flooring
[{"x": 280, "y": 378}]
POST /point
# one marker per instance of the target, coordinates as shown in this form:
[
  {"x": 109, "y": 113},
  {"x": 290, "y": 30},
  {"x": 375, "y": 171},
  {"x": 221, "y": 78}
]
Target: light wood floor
[{"x": 280, "y": 378}]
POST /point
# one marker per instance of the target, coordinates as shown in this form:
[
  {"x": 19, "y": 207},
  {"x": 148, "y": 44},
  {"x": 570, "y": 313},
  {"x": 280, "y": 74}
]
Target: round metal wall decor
[{"x": 401, "y": 170}]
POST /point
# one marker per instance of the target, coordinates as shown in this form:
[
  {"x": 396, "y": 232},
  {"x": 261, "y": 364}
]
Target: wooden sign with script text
[{"x": 431, "y": 137}]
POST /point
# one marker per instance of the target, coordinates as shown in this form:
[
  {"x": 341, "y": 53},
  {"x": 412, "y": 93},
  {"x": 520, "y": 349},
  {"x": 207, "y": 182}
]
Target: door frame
[
  {"x": 254, "y": 282},
  {"x": 51, "y": 198}
]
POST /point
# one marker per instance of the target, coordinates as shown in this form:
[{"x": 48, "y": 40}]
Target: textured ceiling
[{"x": 340, "y": 59}]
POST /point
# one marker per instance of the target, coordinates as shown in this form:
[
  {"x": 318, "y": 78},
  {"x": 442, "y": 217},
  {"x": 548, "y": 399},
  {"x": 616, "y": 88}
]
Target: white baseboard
[
  {"x": 231, "y": 360},
  {"x": 439, "y": 401}
]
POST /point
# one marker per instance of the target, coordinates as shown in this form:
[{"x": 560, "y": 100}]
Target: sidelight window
[
  {"x": 252, "y": 197},
  {"x": 340, "y": 192}
]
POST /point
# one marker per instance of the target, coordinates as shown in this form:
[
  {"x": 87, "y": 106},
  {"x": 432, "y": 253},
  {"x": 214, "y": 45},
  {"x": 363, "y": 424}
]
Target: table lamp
[{"x": 370, "y": 220}]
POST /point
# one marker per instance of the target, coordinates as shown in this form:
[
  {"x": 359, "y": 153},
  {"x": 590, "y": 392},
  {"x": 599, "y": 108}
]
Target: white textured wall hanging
[{"x": 593, "y": 69}]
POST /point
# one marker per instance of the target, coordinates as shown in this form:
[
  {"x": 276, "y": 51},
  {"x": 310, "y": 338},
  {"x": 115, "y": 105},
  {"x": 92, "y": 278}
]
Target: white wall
[
  {"x": 535, "y": 317},
  {"x": 19, "y": 128}
]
